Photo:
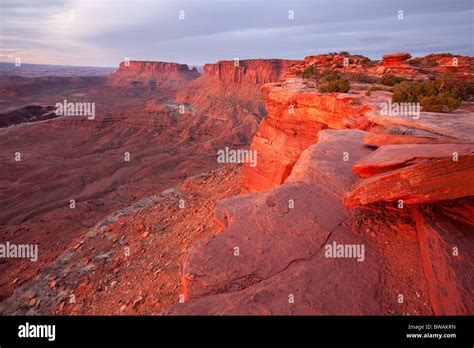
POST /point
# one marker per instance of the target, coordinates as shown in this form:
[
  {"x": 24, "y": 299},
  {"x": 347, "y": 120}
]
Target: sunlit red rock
[
  {"x": 458, "y": 124},
  {"x": 296, "y": 113},
  {"x": 281, "y": 248},
  {"x": 252, "y": 71},
  {"x": 304, "y": 170},
  {"x": 391, "y": 157},
  {"x": 425, "y": 182},
  {"x": 395, "y": 59},
  {"x": 395, "y": 139}
]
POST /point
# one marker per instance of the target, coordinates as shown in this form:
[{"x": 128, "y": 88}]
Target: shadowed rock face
[
  {"x": 252, "y": 71},
  {"x": 30, "y": 113}
]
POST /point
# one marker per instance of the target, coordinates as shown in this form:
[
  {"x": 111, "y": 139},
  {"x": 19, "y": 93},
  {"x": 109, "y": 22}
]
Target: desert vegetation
[
  {"x": 444, "y": 94},
  {"x": 328, "y": 81}
]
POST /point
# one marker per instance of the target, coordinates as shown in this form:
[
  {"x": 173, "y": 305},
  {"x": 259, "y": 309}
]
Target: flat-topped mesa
[
  {"x": 147, "y": 67},
  {"x": 253, "y": 71},
  {"x": 147, "y": 75}
]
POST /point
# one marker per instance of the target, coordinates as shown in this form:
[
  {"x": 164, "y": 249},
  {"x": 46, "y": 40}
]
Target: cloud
[{"x": 104, "y": 32}]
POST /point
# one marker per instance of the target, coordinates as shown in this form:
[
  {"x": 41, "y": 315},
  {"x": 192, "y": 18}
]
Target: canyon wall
[{"x": 252, "y": 71}]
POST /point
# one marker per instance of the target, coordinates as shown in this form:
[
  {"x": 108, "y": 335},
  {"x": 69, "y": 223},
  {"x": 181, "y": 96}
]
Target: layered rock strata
[{"x": 251, "y": 71}]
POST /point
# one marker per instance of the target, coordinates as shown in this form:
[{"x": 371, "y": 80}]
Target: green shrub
[
  {"x": 310, "y": 73},
  {"x": 412, "y": 91},
  {"x": 362, "y": 78},
  {"x": 366, "y": 61},
  {"x": 341, "y": 85},
  {"x": 391, "y": 80},
  {"x": 333, "y": 81},
  {"x": 331, "y": 75},
  {"x": 448, "y": 84},
  {"x": 441, "y": 95},
  {"x": 328, "y": 80},
  {"x": 440, "y": 103}
]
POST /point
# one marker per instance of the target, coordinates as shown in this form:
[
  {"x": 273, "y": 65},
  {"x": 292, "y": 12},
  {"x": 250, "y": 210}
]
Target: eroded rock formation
[
  {"x": 252, "y": 71},
  {"x": 281, "y": 265},
  {"x": 296, "y": 113},
  {"x": 271, "y": 257}
]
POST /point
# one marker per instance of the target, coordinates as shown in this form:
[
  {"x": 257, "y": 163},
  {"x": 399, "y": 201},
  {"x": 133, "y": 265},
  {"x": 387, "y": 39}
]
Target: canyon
[{"x": 175, "y": 232}]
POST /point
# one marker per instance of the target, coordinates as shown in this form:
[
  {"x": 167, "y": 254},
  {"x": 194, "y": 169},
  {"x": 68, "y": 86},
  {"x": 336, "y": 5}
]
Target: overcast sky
[{"x": 104, "y": 32}]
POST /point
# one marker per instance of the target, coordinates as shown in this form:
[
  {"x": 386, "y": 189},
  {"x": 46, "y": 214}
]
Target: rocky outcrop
[
  {"x": 458, "y": 125},
  {"x": 272, "y": 257},
  {"x": 296, "y": 113},
  {"x": 251, "y": 71},
  {"x": 395, "y": 59},
  {"x": 429, "y": 181},
  {"x": 391, "y": 157},
  {"x": 395, "y": 139},
  {"x": 461, "y": 66}
]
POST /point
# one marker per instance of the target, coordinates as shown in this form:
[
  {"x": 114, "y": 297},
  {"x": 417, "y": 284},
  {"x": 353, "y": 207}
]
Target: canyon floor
[{"x": 159, "y": 227}]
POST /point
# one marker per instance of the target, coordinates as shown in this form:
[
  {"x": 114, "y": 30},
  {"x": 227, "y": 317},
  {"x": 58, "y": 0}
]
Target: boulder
[{"x": 395, "y": 58}]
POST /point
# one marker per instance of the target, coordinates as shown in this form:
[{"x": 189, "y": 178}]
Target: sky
[{"x": 105, "y": 32}]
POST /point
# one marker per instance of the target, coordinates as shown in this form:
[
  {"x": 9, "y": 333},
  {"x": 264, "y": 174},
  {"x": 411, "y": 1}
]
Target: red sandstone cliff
[
  {"x": 296, "y": 113},
  {"x": 252, "y": 71}
]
